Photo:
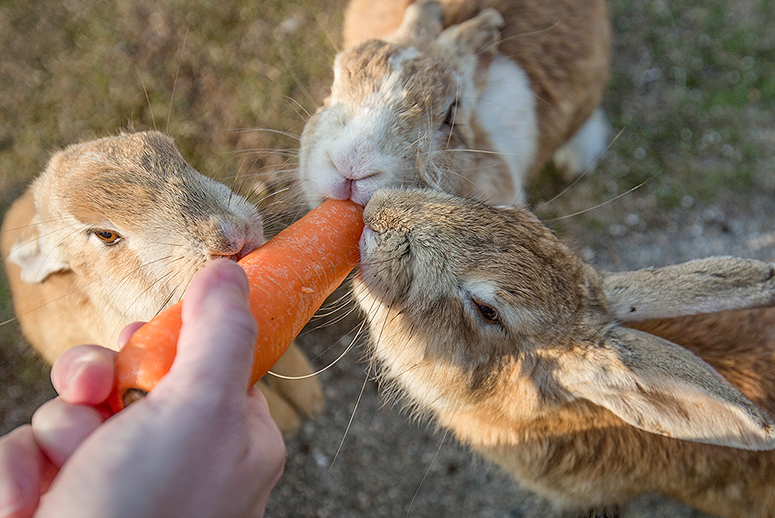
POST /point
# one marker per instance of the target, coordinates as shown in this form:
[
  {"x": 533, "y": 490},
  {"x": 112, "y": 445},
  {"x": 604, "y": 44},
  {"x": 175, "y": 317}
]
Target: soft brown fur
[
  {"x": 579, "y": 408},
  {"x": 563, "y": 47},
  {"x": 74, "y": 289}
]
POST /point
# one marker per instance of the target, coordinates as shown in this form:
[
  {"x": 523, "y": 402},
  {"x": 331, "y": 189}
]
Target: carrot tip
[{"x": 132, "y": 395}]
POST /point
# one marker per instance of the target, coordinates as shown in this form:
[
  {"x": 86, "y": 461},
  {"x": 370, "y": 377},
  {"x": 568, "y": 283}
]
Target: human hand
[{"x": 198, "y": 445}]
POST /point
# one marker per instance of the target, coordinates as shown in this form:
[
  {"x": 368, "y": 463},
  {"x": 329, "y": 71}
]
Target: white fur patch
[
  {"x": 506, "y": 111},
  {"x": 580, "y": 153},
  {"x": 398, "y": 59},
  {"x": 349, "y": 159}
]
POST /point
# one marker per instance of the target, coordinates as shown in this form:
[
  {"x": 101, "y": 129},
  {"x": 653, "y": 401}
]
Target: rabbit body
[
  {"x": 477, "y": 108},
  {"x": 483, "y": 321},
  {"x": 111, "y": 233}
]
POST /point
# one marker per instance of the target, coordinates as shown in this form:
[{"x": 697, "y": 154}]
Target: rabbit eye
[
  {"x": 108, "y": 237},
  {"x": 449, "y": 118},
  {"x": 487, "y": 312}
]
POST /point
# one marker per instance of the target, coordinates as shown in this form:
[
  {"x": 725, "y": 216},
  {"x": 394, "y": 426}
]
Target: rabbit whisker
[
  {"x": 175, "y": 81},
  {"x": 589, "y": 168},
  {"x": 268, "y": 130},
  {"x": 427, "y": 471},
  {"x": 602, "y": 204},
  {"x": 516, "y": 36},
  {"x": 352, "y": 416},
  {"x": 324, "y": 369}
]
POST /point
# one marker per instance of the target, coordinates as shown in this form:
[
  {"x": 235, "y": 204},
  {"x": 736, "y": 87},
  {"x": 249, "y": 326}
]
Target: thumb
[{"x": 215, "y": 345}]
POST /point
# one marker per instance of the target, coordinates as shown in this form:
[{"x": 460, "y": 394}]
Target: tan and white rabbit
[
  {"x": 112, "y": 232},
  {"x": 475, "y": 109},
  {"x": 483, "y": 321}
]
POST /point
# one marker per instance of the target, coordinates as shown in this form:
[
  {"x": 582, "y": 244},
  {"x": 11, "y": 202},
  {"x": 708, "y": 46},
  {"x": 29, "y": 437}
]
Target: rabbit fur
[
  {"x": 482, "y": 320},
  {"x": 470, "y": 97},
  {"x": 112, "y": 232}
]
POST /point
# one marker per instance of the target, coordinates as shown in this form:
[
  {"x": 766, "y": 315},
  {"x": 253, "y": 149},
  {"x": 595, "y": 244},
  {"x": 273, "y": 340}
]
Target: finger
[
  {"x": 267, "y": 445},
  {"x": 59, "y": 428},
  {"x": 215, "y": 345},
  {"x": 24, "y": 473},
  {"x": 265, "y": 432},
  {"x": 127, "y": 332},
  {"x": 83, "y": 375}
]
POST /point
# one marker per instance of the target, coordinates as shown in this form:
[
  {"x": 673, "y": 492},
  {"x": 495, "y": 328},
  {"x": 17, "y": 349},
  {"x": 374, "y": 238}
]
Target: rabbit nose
[
  {"x": 232, "y": 240},
  {"x": 351, "y": 166}
]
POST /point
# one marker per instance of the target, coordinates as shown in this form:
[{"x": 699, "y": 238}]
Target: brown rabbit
[
  {"x": 477, "y": 108},
  {"x": 112, "y": 232},
  {"x": 482, "y": 320}
]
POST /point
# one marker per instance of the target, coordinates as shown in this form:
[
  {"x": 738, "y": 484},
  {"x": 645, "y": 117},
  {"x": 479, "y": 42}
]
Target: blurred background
[{"x": 690, "y": 172}]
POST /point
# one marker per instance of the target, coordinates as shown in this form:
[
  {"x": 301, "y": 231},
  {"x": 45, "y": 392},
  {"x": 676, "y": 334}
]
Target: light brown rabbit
[
  {"x": 476, "y": 109},
  {"x": 112, "y": 232},
  {"x": 483, "y": 321}
]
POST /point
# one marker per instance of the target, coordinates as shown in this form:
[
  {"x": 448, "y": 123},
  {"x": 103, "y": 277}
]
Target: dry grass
[{"x": 233, "y": 82}]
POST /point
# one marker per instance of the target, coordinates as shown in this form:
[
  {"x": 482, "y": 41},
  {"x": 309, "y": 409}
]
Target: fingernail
[
  {"x": 73, "y": 371},
  {"x": 76, "y": 369},
  {"x": 11, "y": 497},
  {"x": 231, "y": 272}
]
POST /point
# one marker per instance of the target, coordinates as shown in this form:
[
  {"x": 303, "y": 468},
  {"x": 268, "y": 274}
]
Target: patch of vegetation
[
  {"x": 212, "y": 74},
  {"x": 691, "y": 104}
]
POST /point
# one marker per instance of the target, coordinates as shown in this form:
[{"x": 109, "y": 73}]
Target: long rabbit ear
[
  {"x": 477, "y": 37},
  {"x": 701, "y": 286},
  {"x": 422, "y": 21},
  {"x": 662, "y": 388},
  {"x": 37, "y": 254}
]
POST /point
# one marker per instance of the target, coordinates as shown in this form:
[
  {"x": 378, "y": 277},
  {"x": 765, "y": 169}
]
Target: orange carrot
[{"x": 290, "y": 277}]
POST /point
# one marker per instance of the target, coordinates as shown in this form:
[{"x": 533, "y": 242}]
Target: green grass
[{"x": 692, "y": 101}]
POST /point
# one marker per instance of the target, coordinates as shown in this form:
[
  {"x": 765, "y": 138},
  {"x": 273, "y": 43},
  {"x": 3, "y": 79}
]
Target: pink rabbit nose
[
  {"x": 352, "y": 166},
  {"x": 232, "y": 240}
]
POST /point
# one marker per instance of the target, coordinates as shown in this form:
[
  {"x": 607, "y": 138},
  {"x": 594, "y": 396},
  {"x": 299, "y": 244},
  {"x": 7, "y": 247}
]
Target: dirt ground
[{"x": 688, "y": 174}]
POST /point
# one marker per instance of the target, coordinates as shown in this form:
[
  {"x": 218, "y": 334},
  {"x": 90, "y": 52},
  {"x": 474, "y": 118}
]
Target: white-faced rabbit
[
  {"x": 469, "y": 96},
  {"x": 112, "y": 232},
  {"x": 483, "y": 321}
]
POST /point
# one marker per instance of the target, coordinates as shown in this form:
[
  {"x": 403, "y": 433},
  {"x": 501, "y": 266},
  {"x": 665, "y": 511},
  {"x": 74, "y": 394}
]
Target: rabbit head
[
  {"x": 479, "y": 314},
  {"x": 401, "y": 111},
  {"x": 130, "y": 210}
]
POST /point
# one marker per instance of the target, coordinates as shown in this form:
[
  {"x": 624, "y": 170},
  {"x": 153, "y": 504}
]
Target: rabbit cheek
[{"x": 95, "y": 266}]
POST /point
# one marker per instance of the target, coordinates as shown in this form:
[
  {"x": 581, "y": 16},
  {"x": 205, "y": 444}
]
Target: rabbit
[
  {"x": 483, "y": 321},
  {"x": 475, "y": 109},
  {"x": 112, "y": 232}
]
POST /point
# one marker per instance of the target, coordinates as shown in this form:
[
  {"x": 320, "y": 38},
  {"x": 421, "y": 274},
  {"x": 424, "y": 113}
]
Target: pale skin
[{"x": 199, "y": 445}]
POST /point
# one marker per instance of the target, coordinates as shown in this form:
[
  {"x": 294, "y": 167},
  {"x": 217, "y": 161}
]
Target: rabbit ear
[
  {"x": 478, "y": 36},
  {"x": 35, "y": 253},
  {"x": 662, "y": 388},
  {"x": 701, "y": 286},
  {"x": 422, "y": 21}
]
